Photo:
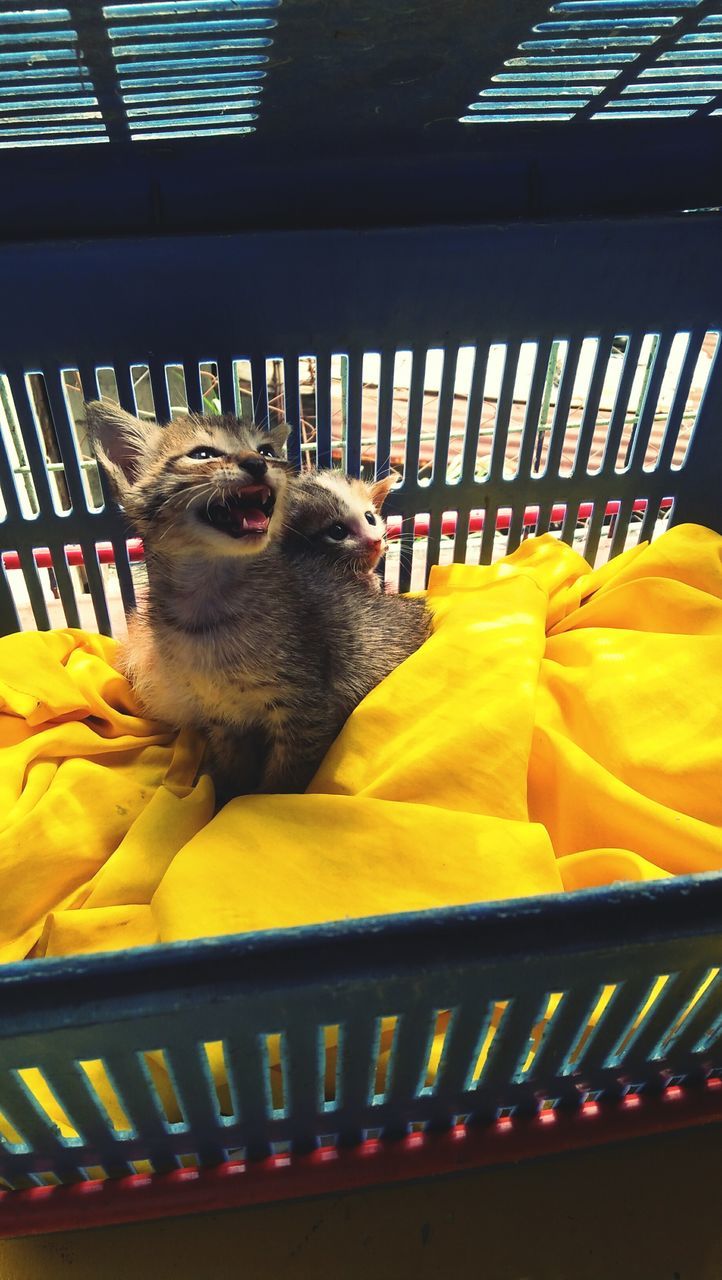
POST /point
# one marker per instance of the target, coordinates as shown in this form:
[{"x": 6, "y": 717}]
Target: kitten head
[
  {"x": 333, "y": 516},
  {"x": 212, "y": 486}
]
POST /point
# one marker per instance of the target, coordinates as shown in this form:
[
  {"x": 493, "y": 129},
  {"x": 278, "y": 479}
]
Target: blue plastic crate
[{"x": 338, "y": 265}]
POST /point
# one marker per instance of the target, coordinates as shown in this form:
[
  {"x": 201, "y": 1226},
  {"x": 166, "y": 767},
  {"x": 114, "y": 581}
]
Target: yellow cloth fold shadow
[{"x": 562, "y": 728}]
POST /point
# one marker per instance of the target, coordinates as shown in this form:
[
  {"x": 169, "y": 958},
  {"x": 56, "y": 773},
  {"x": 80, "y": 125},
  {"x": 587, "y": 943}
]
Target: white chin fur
[{"x": 221, "y": 544}]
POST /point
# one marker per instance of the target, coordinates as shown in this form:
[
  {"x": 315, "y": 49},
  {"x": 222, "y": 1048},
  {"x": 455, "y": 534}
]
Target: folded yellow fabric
[
  {"x": 86, "y": 821},
  {"x": 562, "y": 728}
]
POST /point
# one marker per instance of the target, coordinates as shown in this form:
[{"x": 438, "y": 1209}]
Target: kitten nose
[{"x": 254, "y": 464}]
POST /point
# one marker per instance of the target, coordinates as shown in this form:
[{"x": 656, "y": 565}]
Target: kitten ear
[
  {"x": 119, "y": 441},
  {"x": 279, "y": 435},
  {"x": 380, "y": 489}
]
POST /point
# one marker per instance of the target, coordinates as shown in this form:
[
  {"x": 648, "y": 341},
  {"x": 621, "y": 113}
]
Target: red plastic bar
[
  {"x": 74, "y": 555},
  {"x": 106, "y": 554},
  {"x": 330, "y": 1170},
  {"x": 503, "y": 518}
]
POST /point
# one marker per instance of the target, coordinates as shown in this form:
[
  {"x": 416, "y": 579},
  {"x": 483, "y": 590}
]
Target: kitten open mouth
[{"x": 243, "y": 513}]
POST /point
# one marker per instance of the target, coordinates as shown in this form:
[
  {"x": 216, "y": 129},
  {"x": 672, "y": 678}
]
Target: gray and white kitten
[
  {"x": 265, "y": 652},
  {"x": 338, "y": 518}
]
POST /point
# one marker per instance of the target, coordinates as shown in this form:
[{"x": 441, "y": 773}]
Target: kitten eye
[
  {"x": 337, "y": 531},
  {"x": 204, "y": 451},
  {"x": 370, "y": 517},
  {"x": 266, "y": 450}
]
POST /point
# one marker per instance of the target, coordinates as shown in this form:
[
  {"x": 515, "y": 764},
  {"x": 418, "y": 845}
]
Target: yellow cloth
[{"x": 562, "y": 728}]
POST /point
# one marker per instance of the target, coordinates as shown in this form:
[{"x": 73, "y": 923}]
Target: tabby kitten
[{"x": 266, "y": 653}]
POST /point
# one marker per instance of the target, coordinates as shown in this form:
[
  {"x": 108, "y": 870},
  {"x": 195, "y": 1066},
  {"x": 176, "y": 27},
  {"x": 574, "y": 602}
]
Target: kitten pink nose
[{"x": 374, "y": 549}]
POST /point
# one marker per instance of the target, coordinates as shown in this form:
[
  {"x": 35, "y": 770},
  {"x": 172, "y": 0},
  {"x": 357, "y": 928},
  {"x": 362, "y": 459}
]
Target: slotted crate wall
[
  {"x": 132, "y": 72},
  {"x": 325, "y": 1036},
  {"x": 519, "y": 379},
  {"x": 606, "y": 60}
]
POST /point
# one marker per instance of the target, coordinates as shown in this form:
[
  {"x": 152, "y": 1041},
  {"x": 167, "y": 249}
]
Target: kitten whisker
[
  {"x": 165, "y": 532},
  {"x": 289, "y": 528},
  {"x": 213, "y": 493},
  {"x": 197, "y": 493},
  {"x": 181, "y": 493}
]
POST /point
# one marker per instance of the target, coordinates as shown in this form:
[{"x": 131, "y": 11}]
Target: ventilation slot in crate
[
  {"x": 47, "y": 95},
  {"x": 190, "y": 69},
  {"x": 609, "y": 60}
]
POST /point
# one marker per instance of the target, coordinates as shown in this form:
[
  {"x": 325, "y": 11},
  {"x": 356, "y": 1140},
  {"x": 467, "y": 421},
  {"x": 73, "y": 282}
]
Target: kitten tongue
[{"x": 251, "y": 520}]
